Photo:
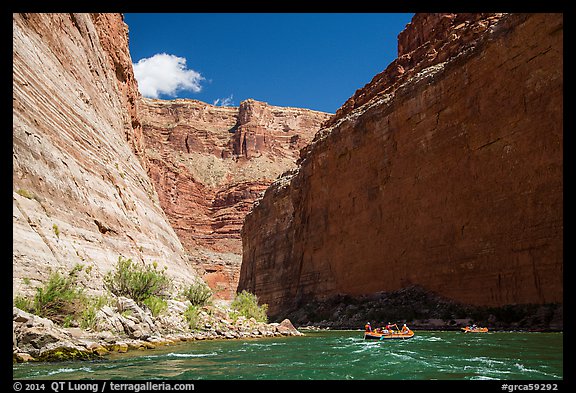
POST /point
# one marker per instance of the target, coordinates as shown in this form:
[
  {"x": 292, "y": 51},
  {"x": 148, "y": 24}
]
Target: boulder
[
  {"x": 143, "y": 316},
  {"x": 173, "y": 319},
  {"x": 108, "y": 320},
  {"x": 22, "y": 316},
  {"x": 14, "y": 339},
  {"x": 287, "y": 329},
  {"x": 21, "y": 357},
  {"x": 65, "y": 350}
]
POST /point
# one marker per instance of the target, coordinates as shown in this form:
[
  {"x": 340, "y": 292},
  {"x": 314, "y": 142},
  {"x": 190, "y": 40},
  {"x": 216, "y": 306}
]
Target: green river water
[{"x": 329, "y": 355}]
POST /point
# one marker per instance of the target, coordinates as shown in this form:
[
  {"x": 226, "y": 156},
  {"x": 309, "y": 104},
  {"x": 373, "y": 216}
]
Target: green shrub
[
  {"x": 198, "y": 293},
  {"x": 23, "y": 303},
  {"x": 246, "y": 304},
  {"x": 88, "y": 319},
  {"x": 25, "y": 193},
  {"x": 59, "y": 299},
  {"x": 192, "y": 315},
  {"x": 56, "y": 230},
  {"x": 91, "y": 307},
  {"x": 137, "y": 281},
  {"x": 67, "y": 321},
  {"x": 156, "y": 304},
  {"x": 29, "y": 195},
  {"x": 63, "y": 301}
]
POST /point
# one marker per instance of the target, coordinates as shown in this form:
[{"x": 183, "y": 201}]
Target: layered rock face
[
  {"x": 429, "y": 39},
  {"x": 210, "y": 163},
  {"x": 81, "y": 194},
  {"x": 447, "y": 175}
]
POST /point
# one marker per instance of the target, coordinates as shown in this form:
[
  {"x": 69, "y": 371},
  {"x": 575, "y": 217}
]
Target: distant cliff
[
  {"x": 81, "y": 193},
  {"x": 210, "y": 163},
  {"x": 445, "y": 171}
]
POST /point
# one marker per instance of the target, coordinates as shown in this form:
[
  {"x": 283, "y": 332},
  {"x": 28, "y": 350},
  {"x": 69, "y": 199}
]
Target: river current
[{"x": 329, "y": 355}]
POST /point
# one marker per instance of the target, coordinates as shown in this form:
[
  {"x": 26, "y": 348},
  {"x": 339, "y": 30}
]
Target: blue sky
[{"x": 315, "y": 61}]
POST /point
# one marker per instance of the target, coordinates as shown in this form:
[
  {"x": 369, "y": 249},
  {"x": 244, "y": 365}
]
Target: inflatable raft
[
  {"x": 388, "y": 336},
  {"x": 468, "y": 329}
]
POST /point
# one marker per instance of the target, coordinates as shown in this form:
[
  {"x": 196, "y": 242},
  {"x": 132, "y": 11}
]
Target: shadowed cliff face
[
  {"x": 448, "y": 176},
  {"x": 210, "y": 163},
  {"x": 80, "y": 192}
]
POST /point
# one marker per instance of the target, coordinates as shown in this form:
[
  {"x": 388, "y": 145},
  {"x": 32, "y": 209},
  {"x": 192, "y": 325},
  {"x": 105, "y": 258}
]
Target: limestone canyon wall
[
  {"x": 210, "y": 163},
  {"x": 446, "y": 171},
  {"x": 81, "y": 193}
]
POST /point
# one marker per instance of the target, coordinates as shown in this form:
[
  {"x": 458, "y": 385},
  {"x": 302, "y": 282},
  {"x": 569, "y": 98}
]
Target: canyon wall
[
  {"x": 81, "y": 193},
  {"x": 210, "y": 163},
  {"x": 445, "y": 171}
]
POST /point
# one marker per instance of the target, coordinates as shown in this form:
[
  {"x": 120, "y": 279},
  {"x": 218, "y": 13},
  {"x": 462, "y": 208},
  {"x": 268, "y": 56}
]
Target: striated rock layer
[
  {"x": 448, "y": 176},
  {"x": 210, "y": 163},
  {"x": 81, "y": 194}
]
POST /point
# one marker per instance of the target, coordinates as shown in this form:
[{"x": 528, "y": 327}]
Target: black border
[{"x": 396, "y": 6}]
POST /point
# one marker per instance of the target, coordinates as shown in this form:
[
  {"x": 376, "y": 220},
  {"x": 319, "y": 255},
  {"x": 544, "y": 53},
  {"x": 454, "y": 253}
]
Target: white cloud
[
  {"x": 224, "y": 101},
  {"x": 165, "y": 74}
]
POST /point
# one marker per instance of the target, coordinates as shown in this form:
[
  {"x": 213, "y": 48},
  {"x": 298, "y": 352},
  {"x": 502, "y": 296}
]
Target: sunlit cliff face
[
  {"x": 81, "y": 193},
  {"x": 449, "y": 178}
]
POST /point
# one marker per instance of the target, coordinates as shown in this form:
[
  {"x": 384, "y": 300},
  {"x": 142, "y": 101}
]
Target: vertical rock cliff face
[
  {"x": 80, "y": 192},
  {"x": 445, "y": 171},
  {"x": 113, "y": 37},
  {"x": 210, "y": 163}
]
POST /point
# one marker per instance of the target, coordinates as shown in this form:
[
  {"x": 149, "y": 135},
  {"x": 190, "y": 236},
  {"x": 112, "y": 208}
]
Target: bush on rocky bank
[
  {"x": 61, "y": 323},
  {"x": 126, "y": 326}
]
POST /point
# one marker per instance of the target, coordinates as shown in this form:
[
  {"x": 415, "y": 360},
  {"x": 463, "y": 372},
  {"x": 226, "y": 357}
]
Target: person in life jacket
[
  {"x": 405, "y": 329},
  {"x": 367, "y": 327}
]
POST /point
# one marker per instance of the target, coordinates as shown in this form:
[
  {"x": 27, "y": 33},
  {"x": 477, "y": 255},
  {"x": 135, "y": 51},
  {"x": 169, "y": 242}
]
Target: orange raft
[
  {"x": 397, "y": 335},
  {"x": 468, "y": 329}
]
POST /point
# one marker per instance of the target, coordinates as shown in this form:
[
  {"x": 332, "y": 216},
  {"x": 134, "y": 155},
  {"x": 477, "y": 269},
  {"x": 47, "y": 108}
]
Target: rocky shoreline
[
  {"x": 126, "y": 327},
  {"x": 422, "y": 310}
]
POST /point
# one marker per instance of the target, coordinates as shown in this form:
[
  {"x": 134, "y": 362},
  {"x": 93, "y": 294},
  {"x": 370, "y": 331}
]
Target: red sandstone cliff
[
  {"x": 429, "y": 39},
  {"x": 113, "y": 36},
  {"x": 445, "y": 171},
  {"x": 210, "y": 163},
  {"x": 81, "y": 194},
  {"x": 90, "y": 155}
]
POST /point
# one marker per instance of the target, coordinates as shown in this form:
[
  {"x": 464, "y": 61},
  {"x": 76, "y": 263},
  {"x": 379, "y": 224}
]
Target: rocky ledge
[{"x": 126, "y": 326}]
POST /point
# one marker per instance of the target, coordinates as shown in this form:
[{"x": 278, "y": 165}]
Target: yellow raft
[
  {"x": 397, "y": 335},
  {"x": 468, "y": 329}
]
